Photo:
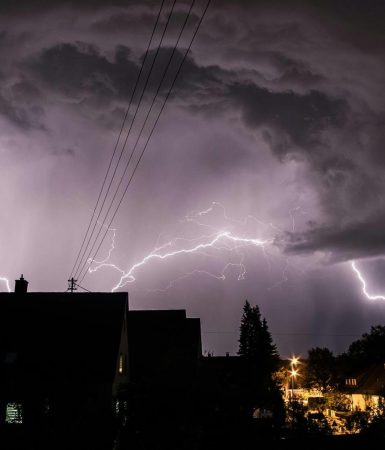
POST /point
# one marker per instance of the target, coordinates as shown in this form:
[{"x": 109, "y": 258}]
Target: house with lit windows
[
  {"x": 366, "y": 388},
  {"x": 63, "y": 366},
  {"x": 76, "y": 367}
]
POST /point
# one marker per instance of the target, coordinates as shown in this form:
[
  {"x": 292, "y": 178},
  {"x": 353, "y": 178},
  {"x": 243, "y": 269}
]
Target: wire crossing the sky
[
  {"x": 152, "y": 129},
  {"x": 83, "y": 261},
  {"x": 127, "y": 136},
  {"x": 155, "y": 96},
  {"x": 119, "y": 136}
]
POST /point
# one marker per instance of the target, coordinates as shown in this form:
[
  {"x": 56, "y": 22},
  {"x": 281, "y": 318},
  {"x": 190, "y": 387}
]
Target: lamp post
[{"x": 293, "y": 374}]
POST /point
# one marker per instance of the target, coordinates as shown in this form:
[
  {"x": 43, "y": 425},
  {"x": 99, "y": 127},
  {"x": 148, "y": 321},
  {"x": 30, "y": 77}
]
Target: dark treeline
[
  {"x": 237, "y": 401},
  {"x": 324, "y": 370}
]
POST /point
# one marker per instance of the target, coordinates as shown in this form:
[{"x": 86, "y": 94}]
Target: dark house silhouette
[
  {"x": 81, "y": 371},
  {"x": 165, "y": 346},
  {"x": 63, "y": 365},
  {"x": 164, "y": 355},
  {"x": 222, "y": 383}
]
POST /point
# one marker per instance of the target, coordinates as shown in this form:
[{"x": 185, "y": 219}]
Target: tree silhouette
[
  {"x": 255, "y": 341},
  {"x": 257, "y": 349},
  {"x": 250, "y": 327},
  {"x": 319, "y": 371},
  {"x": 369, "y": 349}
]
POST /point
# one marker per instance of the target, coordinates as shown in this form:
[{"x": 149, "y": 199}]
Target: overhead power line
[
  {"x": 165, "y": 71},
  {"x": 290, "y": 334},
  {"x": 124, "y": 144},
  {"x": 151, "y": 131},
  {"x": 119, "y": 135},
  {"x": 84, "y": 289},
  {"x": 83, "y": 261}
]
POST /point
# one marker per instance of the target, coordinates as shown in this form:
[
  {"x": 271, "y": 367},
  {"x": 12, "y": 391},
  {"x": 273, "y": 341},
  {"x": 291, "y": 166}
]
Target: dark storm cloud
[
  {"x": 81, "y": 71},
  {"x": 24, "y": 91},
  {"x": 26, "y": 6},
  {"x": 290, "y": 74},
  {"x": 301, "y": 117},
  {"x": 278, "y": 113},
  {"x": 293, "y": 73},
  {"x": 350, "y": 16},
  {"x": 141, "y": 18},
  {"x": 320, "y": 105},
  {"x": 80, "y": 68},
  {"x": 356, "y": 239},
  {"x": 123, "y": 21},
  {"x": 24, "y": 117}
]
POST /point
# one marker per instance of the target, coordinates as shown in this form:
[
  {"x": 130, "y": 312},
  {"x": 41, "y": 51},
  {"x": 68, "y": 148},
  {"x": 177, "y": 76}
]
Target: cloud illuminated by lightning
[
  {"x": 363, "y": 284},
  {"x": 217, "y": 240},
  {"x": 223, "y": 238}
]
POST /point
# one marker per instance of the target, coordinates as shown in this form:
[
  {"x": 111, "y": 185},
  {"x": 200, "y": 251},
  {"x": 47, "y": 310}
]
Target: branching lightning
[
  {"x": 209, "y": 244},
  {"x": 363, "y": 284},
  {"x": 106, "y": 261},
  {"x": 212, "y": 244},
  {"x": 222, "y": 240}
]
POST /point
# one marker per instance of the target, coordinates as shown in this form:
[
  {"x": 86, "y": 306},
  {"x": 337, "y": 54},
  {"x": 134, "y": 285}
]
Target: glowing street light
[
  {"x": 294, "y": 372},
  {"x": 294, "y": 360}
]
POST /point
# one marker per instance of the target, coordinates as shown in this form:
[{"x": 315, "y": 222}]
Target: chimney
[{"x": 21, "y": 286}]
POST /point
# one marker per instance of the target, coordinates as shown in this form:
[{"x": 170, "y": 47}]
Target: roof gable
[{"x": 63, "y": 336}]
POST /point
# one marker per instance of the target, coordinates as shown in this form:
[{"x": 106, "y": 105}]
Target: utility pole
[{"x": 72, "y": 285}]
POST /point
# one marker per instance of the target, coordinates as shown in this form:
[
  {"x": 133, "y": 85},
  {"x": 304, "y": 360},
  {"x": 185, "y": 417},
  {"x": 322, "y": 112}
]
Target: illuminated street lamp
[
  {"x": 294, "y": 361},
  {"x": 293, "y": 372}
]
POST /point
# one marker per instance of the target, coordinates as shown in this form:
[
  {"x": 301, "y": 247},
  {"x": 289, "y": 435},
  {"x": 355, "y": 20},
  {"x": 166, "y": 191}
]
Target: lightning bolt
[
  {"x": 224, "y": 237},
  {"x": 221, "y": 276},
  {"x": 193, "y": 217},
  {"x": 106, "y": 261},
  {"x": 363, "y": 284},
  {"x": 216, "y": 240},
  {"x": 212, "y": 245},
  {"x": 6, "y": 282},
  {"x": 293, "y": 212}
]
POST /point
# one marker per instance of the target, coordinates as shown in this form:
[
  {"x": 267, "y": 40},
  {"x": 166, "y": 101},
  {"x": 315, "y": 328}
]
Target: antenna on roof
[{"x": 72, "y": 285}]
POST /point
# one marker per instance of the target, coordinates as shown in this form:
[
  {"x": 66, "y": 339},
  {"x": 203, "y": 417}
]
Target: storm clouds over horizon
[{"x": 278, "y": 114}]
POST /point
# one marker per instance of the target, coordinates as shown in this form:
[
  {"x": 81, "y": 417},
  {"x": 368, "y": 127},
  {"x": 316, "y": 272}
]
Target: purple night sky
[{"x": 278, "y": 117}]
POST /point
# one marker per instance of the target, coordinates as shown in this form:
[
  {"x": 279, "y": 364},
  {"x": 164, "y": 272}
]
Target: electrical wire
[
  {"x": 80, "y": 266},
  {"x": 119, "y": 136},
  {"x": 140, "y": 133},
  {"x": 139, "y": 136},
  {"x": 289, "y": 334},
  {"x": 81, "y": 287},
  {"x": 151, "y": 132}
]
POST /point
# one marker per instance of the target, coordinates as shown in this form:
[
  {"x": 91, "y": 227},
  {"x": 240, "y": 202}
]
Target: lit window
[
  {"x": 14, "y": 413},
  {"x": 121, "y": 363}
]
